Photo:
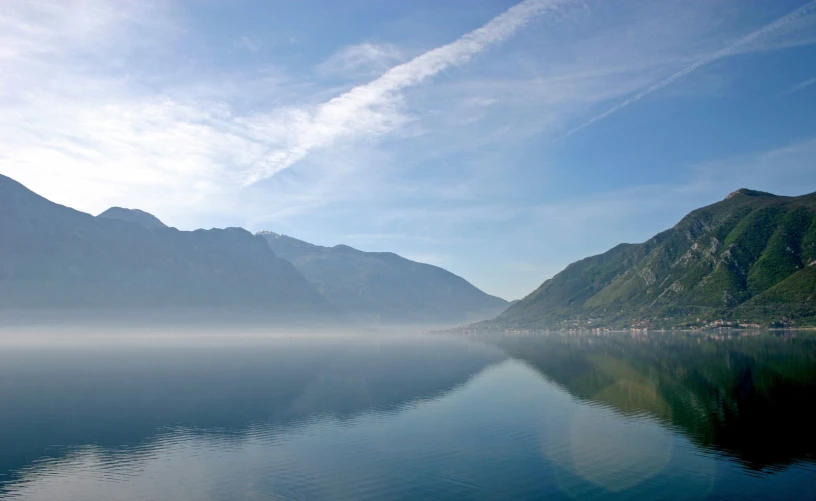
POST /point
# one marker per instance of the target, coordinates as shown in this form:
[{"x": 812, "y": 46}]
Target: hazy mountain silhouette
[
  {"x": 749, "y": 258},
  {"x": 54, "y": 257},
  {"x": 385, "y": 286},
  {"x": 133, "y": 216}
]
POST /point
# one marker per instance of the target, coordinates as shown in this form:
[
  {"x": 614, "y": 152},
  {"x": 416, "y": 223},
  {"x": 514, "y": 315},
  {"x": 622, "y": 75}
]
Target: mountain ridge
[
  {"x": 133, "y": 216},
  {"x": 747, "y": 259},
  {"x": 53, "y": 256},
  {"x": 385, "y": 286}
]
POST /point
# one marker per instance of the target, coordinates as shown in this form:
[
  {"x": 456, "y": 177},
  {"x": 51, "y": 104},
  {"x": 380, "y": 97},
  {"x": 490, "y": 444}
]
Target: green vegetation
[
  {"x": 748, "y": 260},
  {"x": 748, "y": 396}
]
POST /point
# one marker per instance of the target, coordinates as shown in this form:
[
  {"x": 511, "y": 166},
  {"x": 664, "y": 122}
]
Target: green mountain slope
[
  {"x": 383, "y": 286},
  {"x": 750, "y": 258}
]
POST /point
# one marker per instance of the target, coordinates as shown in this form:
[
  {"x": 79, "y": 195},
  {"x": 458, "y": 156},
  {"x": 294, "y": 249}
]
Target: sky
[{"x": 498, "y": 139}]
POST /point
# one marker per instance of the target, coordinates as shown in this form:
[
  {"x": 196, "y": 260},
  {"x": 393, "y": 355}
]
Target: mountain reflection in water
[
  {"x": 122, "y": 395},
  {"x": 558, "y": 416},
  {"x": 748, "y": 395}
]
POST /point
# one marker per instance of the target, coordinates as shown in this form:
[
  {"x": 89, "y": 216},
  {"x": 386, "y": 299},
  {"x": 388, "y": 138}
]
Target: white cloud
[
  {"x": 786, "y": 170},
  {"x": 79, "y": 131},
  {"x": 363, "y": 59},
  {"x": 249, "y": 44},
  {"x": 122, "y": 146},
  {"x": 85, "y": 121},
  {"x": 730, "y": 49},
  {"x": 800, "y": 86},
  {"x": 85, "y": 132},
  {"x": 373, "y": 109}
]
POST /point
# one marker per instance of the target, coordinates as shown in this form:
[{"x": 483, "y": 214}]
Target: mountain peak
[
  {"x": 12, "y": 190},
  {"x": 133, "y": 216},
  {"x": 749, "y": 193},
  {"x": 742, "y": 262},
  {"x": 281, "y": 239}
]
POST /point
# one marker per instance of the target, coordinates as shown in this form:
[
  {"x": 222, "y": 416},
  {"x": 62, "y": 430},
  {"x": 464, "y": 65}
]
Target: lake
[{"x": 536, "y": 416}]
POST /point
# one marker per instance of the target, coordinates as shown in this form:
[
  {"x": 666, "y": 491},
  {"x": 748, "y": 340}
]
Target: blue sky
[{"x": 501, "y": 140}]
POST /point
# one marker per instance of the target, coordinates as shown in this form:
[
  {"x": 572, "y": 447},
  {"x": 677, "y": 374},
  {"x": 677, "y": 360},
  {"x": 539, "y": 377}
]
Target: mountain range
[
  {"x": 747, "y": 260},
  {"x": 384, "y": 286},
  {"x": 56, "y": 258}
]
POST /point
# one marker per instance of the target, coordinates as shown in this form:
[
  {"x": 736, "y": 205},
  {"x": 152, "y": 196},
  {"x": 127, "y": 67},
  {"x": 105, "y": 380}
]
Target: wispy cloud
[
  {"x": 99, "y": 107},
  {"x": 31, "y": 29},
  {"x": 563, "y": 231},
  {"x": 800, "y": 86},
  {"x": 362, "y": 59},
  {"x": 249, "y": 44},
  {"x": 372, "y": 109},
  {"x": 785, "y": 170},
  {"x": 77, "y": 127},
  {"x": 84, "y": 129},
  {"x": 724, "y": 52}
]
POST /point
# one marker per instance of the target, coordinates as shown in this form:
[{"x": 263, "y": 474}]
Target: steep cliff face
[{"x": 750, "y": 258}]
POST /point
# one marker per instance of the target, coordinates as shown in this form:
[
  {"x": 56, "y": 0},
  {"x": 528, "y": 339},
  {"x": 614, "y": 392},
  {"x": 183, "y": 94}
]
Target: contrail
[
  {"x": 364, "y": 110},
  {"x": 800, "y": 86},
  {"x": 726, "y": 51}
]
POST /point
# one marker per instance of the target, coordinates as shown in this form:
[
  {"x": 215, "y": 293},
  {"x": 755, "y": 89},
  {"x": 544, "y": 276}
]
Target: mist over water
[{"x": 171, "y": 413}]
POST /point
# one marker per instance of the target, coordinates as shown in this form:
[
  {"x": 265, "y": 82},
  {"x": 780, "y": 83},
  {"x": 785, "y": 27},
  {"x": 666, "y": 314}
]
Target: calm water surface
[{"x": 552, "y": 416}]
